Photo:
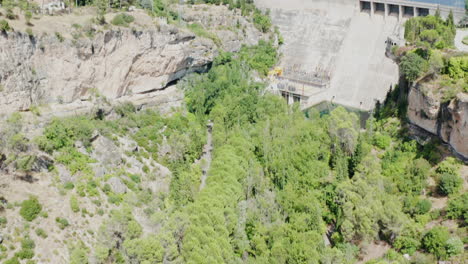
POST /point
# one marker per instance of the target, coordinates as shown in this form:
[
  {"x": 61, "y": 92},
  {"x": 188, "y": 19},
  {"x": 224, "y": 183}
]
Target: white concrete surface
[
  {"x": 461, "y": 33},
  {"x": 334, "y": 36}
]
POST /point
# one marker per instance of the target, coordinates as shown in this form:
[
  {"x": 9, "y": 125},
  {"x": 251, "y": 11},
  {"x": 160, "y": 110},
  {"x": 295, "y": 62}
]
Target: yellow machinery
[{"x": 276, "y": 72}]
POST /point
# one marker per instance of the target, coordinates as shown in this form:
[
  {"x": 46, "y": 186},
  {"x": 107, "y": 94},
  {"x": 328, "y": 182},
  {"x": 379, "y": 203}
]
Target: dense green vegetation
[
  {"x": 446, "y": 72},
  {"x": 284, "y": 186},
  {"x": 431, "y": 31},
  {"x": 278, "y": 181}
]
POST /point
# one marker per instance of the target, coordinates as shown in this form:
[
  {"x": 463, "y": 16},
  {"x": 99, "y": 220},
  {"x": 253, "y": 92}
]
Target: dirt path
[{"x": 205, "y": 159}]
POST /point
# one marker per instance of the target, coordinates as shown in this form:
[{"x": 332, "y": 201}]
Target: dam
[{"x": 334, "y": 50}]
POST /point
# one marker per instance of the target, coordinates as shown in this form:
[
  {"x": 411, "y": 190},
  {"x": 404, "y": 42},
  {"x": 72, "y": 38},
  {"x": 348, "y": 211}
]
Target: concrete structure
[
  {"x": 335, "y": 50},
  {"x": 408, "y": 8}
]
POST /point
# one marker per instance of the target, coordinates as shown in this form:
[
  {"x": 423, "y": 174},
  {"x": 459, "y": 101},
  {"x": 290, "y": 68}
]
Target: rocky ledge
[
  {"x": 447, "y": 120},
  {"x": 117, "y": 64}
]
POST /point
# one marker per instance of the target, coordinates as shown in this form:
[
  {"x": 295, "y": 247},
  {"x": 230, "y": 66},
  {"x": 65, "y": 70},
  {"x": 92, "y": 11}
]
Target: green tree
[{"x": 412, "y": 66}]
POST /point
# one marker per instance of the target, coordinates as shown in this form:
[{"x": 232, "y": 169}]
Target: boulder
[
  {"x": 106, "y": 152},
  {"x": 64, "y": 175}
]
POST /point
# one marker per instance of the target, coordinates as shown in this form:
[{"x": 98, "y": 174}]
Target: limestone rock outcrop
[
  {"x": 449, "y": 121},
  {"x": 115, "y": 63}
]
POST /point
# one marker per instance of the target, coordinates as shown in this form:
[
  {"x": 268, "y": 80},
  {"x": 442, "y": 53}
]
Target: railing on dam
[{"x": 408, "y": 8}]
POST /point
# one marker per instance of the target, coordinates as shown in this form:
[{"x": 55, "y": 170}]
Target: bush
[
  {"x": 125, "y": 109},
  {"x": 74, "y": 205},
  {"x": 25, "y": 163},
  {"x": 262, "y": 22},
  {"x": 449, "y": 184},
  {"x": 457, "y": 207},
  {"x": 13, "y": 260},
  {"x": 28, "y": 16},
  {"x": 69, "y": 186},
  {"x": 435, "y": 241},
  {"x": 261, "y": 57},
  {"x": 382, "y": 141},
  {"x": 122, "y": 20},
  {"x": 406, "y": 245},
  {"x": 27, "y": 243},
  {"x": 4, "y": 26},
  {"x": 59, "y": 36},
  {"x": 27, "y": 249},
  {"x": 454, "y": 246},
  {"x": 449, "y": 165},
  {"x": 62, "y": 222},
  {"x": 30, "y": 209},
  {"x": 412, "y": 65},
  {"x": 200, "y": 31},
  {"x": 41, "y": 233}
]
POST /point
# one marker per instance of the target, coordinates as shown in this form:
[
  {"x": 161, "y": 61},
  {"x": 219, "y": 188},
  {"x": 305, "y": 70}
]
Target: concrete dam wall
[{"x": 334, "y": 52}]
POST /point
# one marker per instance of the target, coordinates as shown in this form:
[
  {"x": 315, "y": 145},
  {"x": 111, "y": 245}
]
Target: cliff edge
[{"x": 447, "y": 120}]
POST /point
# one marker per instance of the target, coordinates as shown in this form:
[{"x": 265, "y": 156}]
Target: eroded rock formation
[
  {"x": 120, "y": 64},
  {"x": 447, "y": 120},
  {"x": 114, "y": 64}
]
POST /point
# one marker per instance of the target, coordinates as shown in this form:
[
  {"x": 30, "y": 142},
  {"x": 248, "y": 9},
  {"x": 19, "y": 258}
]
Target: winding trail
[{"x": 206, "y": 157}]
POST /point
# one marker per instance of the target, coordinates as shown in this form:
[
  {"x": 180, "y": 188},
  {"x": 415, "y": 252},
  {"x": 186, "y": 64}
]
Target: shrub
[
  {"x": 454, "y": 246},
  {"x": 59, "y": 36},
  {"x": 13, "y": 260},
  {"x": 25, "y": 254},
  {"x": 25, "y": 163},
  {"x": 406, "y": 245},
  {"x": 200, "y": 31},
  {"x": 30, "y": 209},
  {"x": 27, "y": 243},
  {"x": 74, "y": 205},
  {"x": 69, "y": 186},
  {"x": 41, "y": 233},
  {"x": 122, "y": 20},
  {"x": 262, "y": 22},
  {"x": 27, "y": 249},
  {"x": 457, "y": 207},
  {"x": 423, "y": 206},
  {"x": 449, "y": 165},
  {"x": 412, "y": 65},
  {"x": 435, "y": 240},
  {"x": 382, "y": 141},
  {"x": 28, "y": 16},
  {"x": 62, "y": 222},
  {"x": 3, "y": 221},
  {"x": 449, "y": 184},
  {"x": 125, "y": 109},
  {"x": 4, "y": 26}
]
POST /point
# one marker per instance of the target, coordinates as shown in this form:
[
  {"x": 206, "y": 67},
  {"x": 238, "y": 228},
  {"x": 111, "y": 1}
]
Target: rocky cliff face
[
  {"x": 45, "y": 70},
  {"x": 120, "y": 64},
  {"x": 449, "y": 120}
]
